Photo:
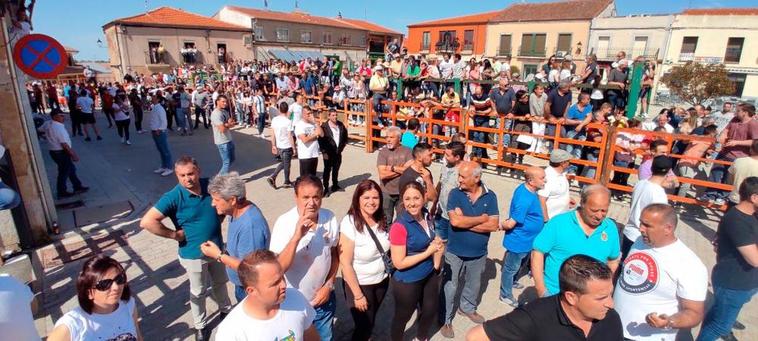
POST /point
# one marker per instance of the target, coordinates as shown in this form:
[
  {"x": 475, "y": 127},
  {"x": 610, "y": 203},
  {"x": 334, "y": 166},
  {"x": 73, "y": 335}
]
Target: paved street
[{"x": 118, "y": 173}]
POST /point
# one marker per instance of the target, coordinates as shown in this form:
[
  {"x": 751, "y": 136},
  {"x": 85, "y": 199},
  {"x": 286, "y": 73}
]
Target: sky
[{"x": 80, "y": 26}]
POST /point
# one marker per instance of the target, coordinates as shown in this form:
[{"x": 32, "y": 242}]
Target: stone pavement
[{"x": 116, "y": 173}]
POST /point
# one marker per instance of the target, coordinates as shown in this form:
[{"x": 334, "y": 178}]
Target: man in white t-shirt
[
  {"x": 282, "y": 145},
  {"x": 663, "y": 284},
  {"x": 646, "y": 192},
  {"x": 554, "y": 197},
  {"x": 270, "y": 311},
  {"x": 296, "y": 110},
  {"x": 307, "y": 133},
  {"x": 661, "y": 121},
  {"x": 16, "y": 308},
  {"x": 305, "y": 238}
]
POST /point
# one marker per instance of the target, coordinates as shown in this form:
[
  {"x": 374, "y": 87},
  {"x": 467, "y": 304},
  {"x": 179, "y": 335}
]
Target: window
[
  {"x": 447, "y": 42},
  {"x": 189, "y": 45},
  {"x": 505, "y": 45},
  {"x": 530, "y": 69},
  {"x": 734, "y": 50},
  {"x": 247, "y": 40},
  {"x": 533, "y": 44},
  {"x": 689, "y": 45},
  {"x": 468, "y": 40},
  {"x": 152, "y": 50},
  {"x": 259, "y": 33},
  {"x": 327, "y": 38},
  {"x": 447, "y": 36},
  {"x": 739, "y": 83},
  {"x": 305, "y": 37},
  {"x": 363, "y": 40},
  {"x": 640, "y": 45},
  {"x": 282, "y": 34},
  {"x": 426, "y": 40},
  {"x": 345, "y": 39},
  {"x": 564, "y": 45},
  {"x": 603, "y": 47}
]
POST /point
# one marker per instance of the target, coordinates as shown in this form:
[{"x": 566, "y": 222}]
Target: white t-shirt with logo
[
  {"x": 296, "y": 113},
  {"x": 118, "y": 325},
  {"x": 280, "y": 126},
  {"x": 367, "y": 260},
  {"x": 306, "y": 150},
  {"x": 650, "y": 282},
  {"x": 644, "y": 194},
  {"x": 313, "y": 257},
  {"x": 15, "y": 310},
  {"x": 556, "y": 191},
  {"x": 294, "y": 317}
]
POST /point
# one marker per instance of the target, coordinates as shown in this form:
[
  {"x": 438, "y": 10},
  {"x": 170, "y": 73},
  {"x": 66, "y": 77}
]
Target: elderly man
[
  {"x": 482, "y": 107},
  {"x": 525, "y": 222},
  {"x": 663, "y": 284},
  {"x": 473, "y": 212},
  {"x": 64, "y": 156},
  {"x": 661, "y": 121},
  {"x": 189, "y": 206},
  {"x": 503, "y": 99},
  {"x": 391, "y": 162},
  {"x": 583, "y": 310},
  {"x": 267, "y": 295},
  {"x": 305, "y": 238},
  {"x": 554, "y": 196},
  {"x": 585, "y": 230},
  {"x": 248, "y": 230}
]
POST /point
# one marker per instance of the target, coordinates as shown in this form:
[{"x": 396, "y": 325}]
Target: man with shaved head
[{"x": 522, "y": 226}]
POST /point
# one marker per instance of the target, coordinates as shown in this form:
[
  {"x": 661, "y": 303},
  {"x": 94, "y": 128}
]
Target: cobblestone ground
[{"x": 116, "y": 173}]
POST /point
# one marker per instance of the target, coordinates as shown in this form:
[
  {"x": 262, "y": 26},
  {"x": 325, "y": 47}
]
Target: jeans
[
  {"x": 123, "y": 129},
  {"x": 592, "y": 156},
  {"x": 472, "y": 269},
  {"x": 722, "y": 315},
  {"x": 441, "y": 226},
  {"x": 480, "y": 136},
  {"x": 332, "y": 165},
  {"x": 511, "y": 265},
  {"x": 324, "y": 318},
  {"x": 181, "y": 122},
  {"x": 261, "y": 122},
  {"x": 8, "y": 197},
  {"x": 161, "y": 142},
  {"x": 286, "y": 156},
  {"x": 575, "y": 150},
  {"x": 508, "y": 126},
  {"x": 202, "y": 272},
  {"x": 550, "y": 132},
  {"x": 200, "y": 111},
  {"x": 616, "y": 99},
  {"x": 390, "y": 206},
  {"x": 686, "y": 171},
  {"x": 718, "y": 175},
  {"x": 66, "y": 171},
  {"x": 226, "y": 150},
  {"x": 138, "y": 115}
]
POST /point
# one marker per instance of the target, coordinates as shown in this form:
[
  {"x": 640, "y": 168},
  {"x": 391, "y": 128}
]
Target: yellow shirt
[
  {"x": 378, "y": 84},
  {"x": 740, "y": 170}
]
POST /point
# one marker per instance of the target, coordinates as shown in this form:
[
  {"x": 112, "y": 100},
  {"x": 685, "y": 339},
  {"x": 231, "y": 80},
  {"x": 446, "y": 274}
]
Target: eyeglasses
[{"x": 105, "y": 284}]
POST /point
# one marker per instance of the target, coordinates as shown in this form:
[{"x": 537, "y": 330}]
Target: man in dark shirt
[
  {"x": 558, "y": 102},
  {"x": 419, "y": 171},
  {"x": 391, "y": 162},
  {"x": 617, "y": 78},
  {"x": 480, "y": 102},
  {"x": 503, "y": 99},
  {"x": 583, "y": 310},
  {"x": 735, "y": 276}
]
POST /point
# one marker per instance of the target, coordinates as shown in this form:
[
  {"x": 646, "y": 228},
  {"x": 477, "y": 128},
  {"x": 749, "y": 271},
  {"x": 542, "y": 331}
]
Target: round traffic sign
[{"x": 40, "y": 56}]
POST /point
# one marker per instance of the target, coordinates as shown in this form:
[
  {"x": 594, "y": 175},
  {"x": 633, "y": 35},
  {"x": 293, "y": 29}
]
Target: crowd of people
[{"x": 421, "y": 237}]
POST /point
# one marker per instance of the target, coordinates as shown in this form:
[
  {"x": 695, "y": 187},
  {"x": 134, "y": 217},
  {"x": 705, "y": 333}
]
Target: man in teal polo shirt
[
  {"x": 585, "y": 230},
  {"x": 188, "y": 205}
]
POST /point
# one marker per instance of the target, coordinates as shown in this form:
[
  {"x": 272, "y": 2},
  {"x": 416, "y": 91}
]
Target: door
[{"x": 603, "y": 44}]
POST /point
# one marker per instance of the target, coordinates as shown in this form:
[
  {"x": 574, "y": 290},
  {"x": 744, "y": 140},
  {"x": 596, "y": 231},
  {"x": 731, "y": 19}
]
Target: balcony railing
[
  {"x": 468, "y": 47},
  {"x": 447, "y": 45},
  {"x": 609, "y": 53},
  {"x": 524, "y": 51},
  {"x": 686, "y": 57}
]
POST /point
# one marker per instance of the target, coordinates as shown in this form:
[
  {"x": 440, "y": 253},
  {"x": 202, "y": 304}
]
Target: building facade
[
  {"x": 465, "y": 35},
  {"x": 636, "y": 35},
  {"x": 531, "y": 33},
  {"x": 167, "y": 37},
  {"x": 728, "y": 36}
]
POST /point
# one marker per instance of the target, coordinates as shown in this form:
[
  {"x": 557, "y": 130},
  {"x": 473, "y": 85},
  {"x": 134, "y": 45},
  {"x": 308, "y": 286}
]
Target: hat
[
  {"x": 596, "y": 94},
  {"x": 661, "y": 164},
  {"x": 560, "y": 155},
  {"x": 378, "y": 68},
  {"x": 568, "y": 57}
]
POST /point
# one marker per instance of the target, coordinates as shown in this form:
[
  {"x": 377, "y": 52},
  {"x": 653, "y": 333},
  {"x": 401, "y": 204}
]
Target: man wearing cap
[
  {"x": 379, "y": 84},
  {"x": 64, "y": 156},
  {"x": 554, "y": 196},
  {"x": 646, "y": 192}
]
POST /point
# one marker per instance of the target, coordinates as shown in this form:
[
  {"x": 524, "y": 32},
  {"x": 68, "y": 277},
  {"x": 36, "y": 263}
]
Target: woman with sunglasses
[{"x": 106, "y": 309}]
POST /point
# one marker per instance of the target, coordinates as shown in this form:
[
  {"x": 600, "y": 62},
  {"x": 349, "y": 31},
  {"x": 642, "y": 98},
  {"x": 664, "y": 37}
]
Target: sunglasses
[{"x": 105, "y": 284}]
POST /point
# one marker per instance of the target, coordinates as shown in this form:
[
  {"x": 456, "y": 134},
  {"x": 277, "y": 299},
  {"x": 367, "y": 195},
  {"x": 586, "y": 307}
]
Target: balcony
[
  {"x": 609, "y": 53},
  {"x": 686, "y": 57},
  {"x": 468, "y": 46},
  {"x": 528, "y": 52},
  {"x": 450, "y": 46}
]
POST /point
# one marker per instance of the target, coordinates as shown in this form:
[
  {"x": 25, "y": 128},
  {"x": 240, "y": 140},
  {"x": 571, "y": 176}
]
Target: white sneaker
[
  {"x": 167, "y": 172},
  {"x": 159, "y": 170},
  {"x": 140, "y": 131},
  {"x": 128, "y": 143}
]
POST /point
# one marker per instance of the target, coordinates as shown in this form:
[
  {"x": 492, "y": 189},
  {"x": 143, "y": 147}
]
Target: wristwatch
[{"x": 218, "y": 259}]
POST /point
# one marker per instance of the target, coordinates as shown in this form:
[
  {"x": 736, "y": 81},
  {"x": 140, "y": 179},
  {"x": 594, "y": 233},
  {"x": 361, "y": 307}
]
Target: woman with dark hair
[
  {"x": 365, "y": 277},
  {"x": 521, "y": 112},
  {"x": 106, "y": 308},
  {"x": 417, "y": 255}
]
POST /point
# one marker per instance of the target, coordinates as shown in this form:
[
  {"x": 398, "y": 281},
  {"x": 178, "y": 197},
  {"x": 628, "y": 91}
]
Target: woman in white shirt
[
  {"x": 121, "y": 116},
  {"x": 106, "y": 309},
  {"x": 363, "y": 268}
]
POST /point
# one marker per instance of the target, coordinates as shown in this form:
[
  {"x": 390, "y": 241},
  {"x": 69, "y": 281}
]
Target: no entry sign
[{"x": 40, "y": 56}]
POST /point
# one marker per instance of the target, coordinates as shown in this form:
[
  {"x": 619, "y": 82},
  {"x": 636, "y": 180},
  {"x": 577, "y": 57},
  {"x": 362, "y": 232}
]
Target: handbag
[{"x": 389, "y": 268}]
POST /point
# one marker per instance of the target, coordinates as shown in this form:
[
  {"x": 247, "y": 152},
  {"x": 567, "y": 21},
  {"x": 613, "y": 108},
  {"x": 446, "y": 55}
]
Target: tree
[{"x": 695, "y": 83}]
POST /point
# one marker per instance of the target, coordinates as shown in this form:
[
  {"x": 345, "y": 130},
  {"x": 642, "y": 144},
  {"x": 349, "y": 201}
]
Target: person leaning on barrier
[{"x": 582, "y": 310}]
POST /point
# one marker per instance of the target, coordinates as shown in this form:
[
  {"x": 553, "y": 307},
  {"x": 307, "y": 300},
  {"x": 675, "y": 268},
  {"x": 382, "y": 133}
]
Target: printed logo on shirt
[
  {"x": 290, "y": 337},
  {"x": 640, "y": 274},
  {"x": 124, "y": 337}
]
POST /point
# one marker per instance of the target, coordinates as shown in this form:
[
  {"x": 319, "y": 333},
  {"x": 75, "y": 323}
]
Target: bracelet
[{"x": 359, "y": 298}]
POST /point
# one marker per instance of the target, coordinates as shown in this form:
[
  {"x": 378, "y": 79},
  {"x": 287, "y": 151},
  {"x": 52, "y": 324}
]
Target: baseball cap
[
  {"x": 661, "y": 164},
  {"x": 560, "y": 155}
]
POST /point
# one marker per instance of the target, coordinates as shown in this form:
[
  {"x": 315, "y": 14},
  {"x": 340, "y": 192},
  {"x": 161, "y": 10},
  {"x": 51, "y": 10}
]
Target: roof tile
[
  {"x": 296, "y": 17},
  {"x": 173, "y": 17},
  {"x": 369, "y": 26},
  {"x": 478, "y": 18},
  {"x": 721, "y": 11},
  {"x": 563, "y": 10}
]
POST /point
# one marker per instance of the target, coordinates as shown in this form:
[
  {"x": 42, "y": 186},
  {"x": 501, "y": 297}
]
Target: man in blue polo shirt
[
  {"x": 523, "y": 225},
  {"x": 585, "y": 230},
  {"x": 188, "y": 205},
  {"x": 473, "y": 213}
]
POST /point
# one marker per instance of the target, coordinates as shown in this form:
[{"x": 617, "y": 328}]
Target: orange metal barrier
[{"x": 670, "y": 139}]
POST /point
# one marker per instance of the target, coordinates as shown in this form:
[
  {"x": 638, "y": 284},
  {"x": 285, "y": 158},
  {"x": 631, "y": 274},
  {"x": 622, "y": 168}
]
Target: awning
[{"x": 294, "y": 55}]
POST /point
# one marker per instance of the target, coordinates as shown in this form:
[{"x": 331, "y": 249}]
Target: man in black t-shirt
[
  {"x": 482, "y": 106},
  {"x": 583, "y": 310},
  {"x": 419, "y": 171},
  {"x": 556, "y": 107},
  {"x": 735, "y": 276}
]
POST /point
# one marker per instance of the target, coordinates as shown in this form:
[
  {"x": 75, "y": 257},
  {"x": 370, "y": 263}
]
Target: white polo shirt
[
  {"x": 313, "y": 256},
  {"x": 556, "y": 191},
  {"x": 56, "y": 135}
]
